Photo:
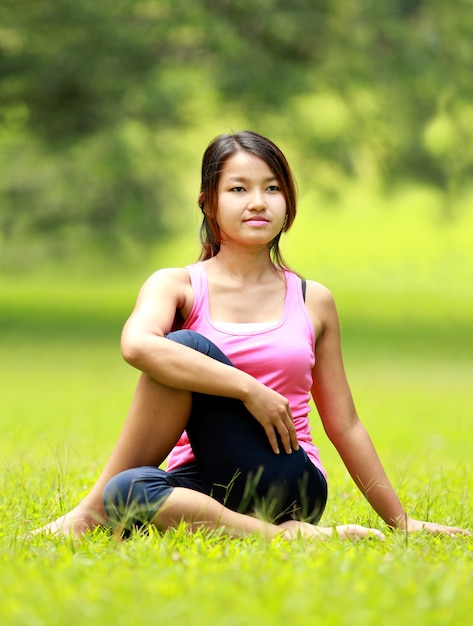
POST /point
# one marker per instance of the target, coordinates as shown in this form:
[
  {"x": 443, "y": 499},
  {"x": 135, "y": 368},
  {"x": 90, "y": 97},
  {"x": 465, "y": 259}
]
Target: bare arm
[
  {"x": 335, "y": 404},
  {"x": 145, "y": 347}
]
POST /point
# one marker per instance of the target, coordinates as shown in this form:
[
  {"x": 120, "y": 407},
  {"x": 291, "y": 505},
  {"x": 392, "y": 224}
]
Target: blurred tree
[
  {"x": 101, "y": 101},
  {"x": 390, "y": 70},
  {"x": 79, "y": 66}
]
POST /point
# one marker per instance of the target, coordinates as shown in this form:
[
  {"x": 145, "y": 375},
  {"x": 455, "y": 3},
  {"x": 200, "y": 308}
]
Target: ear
[{"x": 201, "y": 200}]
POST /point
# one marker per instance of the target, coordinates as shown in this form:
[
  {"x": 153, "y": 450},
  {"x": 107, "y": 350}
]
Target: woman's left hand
[
  {"x": 413, "y": 526},
  {"x": 294, "y": 529}
]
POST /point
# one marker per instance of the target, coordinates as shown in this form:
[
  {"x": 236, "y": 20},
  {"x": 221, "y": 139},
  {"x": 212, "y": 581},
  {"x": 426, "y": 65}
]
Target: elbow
[
  {"x": 143, "y": 347},
  {"x": 135, "y": 349},
  {"x": 140, "y": 342},
  {"x": 132, "y": 351},
  {"x": 340, "y": 430}
]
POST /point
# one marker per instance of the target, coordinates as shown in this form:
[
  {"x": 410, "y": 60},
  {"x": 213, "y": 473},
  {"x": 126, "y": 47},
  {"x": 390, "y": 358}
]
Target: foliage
[{"x": 106, "y": 107}]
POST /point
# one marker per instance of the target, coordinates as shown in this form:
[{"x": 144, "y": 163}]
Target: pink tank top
[{"x": 280, "y": 355}]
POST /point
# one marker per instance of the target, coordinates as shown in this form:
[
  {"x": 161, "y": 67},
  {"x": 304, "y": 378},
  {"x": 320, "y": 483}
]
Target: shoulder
[
  {"x": 170, "y": 277},
  {"x": 318, "y": 292},
  {"x": 162, "y": 303},
  {"x": 321, "y": 307},
  {"x": 171, "y": 282}
]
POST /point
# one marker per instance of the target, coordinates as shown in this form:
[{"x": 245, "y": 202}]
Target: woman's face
[{"x": 251, "y": 206}]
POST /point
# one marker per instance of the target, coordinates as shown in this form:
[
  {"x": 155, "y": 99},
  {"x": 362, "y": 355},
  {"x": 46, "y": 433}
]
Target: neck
[{"x": 245, "y": 264}]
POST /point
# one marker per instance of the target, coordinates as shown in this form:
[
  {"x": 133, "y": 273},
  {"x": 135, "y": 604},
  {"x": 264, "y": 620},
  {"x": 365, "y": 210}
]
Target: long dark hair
[{"x": 218, "y": 151}]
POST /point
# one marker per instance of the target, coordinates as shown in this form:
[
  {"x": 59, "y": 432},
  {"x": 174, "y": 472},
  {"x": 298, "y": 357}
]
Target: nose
[{"x": 256, "y": 201}]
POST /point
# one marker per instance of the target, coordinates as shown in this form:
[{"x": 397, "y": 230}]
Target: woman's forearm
[
  {"x": 362, "y": 461},
  {"x": 181, "y": 367}
]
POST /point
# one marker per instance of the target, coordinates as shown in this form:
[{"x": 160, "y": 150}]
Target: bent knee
[
  {"x": 132, "y": 497},
  {"x": 196, "y": 341},
  {"x": 191, "y": 339}
]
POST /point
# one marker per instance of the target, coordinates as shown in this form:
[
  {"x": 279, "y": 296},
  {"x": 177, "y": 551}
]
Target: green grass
[{"x": 407, "y": 328}]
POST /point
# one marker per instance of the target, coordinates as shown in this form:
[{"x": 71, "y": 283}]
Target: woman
[{"x": 230, "y": 349}]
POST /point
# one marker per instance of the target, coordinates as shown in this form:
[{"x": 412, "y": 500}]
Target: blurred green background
[{"x": 106, "y": 108}]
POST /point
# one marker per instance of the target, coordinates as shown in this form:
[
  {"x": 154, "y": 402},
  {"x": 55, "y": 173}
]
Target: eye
[
  {"x": 274, "y": 188},
  {"x": 237, "y": 189}
]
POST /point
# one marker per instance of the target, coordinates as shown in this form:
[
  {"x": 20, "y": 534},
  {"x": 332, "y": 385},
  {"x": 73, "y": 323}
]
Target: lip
[{"x": 257, "y": 220}]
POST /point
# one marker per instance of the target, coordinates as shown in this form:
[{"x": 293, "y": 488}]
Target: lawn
[{"x": 406, "y": 304}]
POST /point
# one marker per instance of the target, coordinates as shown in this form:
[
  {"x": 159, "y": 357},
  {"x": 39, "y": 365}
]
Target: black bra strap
[{"x": 304, "y": 287}]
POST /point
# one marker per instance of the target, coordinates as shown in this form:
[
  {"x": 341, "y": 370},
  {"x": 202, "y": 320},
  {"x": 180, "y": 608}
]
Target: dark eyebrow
[{"x": 243, "y": 179}]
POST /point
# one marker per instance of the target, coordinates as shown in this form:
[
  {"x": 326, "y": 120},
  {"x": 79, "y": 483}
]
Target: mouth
[{"x": 257, "y": 220}]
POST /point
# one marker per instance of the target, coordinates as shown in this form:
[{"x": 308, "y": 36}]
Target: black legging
[{"x": 234, "y": 463}]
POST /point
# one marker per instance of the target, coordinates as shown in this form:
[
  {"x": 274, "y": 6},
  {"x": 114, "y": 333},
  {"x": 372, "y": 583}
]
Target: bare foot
[
  {"x": 294, "y": 529},
  {"x": 75, "y": 523}
]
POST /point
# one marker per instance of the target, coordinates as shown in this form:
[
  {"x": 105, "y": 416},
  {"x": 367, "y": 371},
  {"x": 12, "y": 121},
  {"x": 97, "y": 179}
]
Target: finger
[
  {"x": 440, "y": 529},
  {"x": 450, "y": 530},
  {"x": 285, "y": 437},
  {"x": 291, "y": 431},
  {"x": 454, "y": 530},
  {"x": 272, "y": 439},
  {"x": 293, "y": 435},
  {"x": 294, "y": 443}
]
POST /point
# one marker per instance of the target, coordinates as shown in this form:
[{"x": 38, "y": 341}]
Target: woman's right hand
[{"x": 273, "y": 412}]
